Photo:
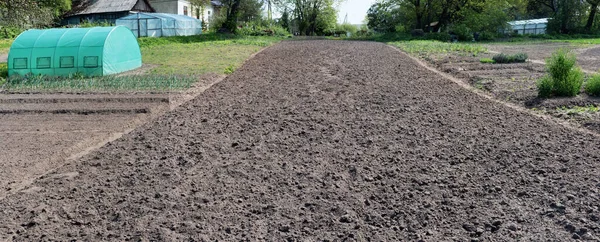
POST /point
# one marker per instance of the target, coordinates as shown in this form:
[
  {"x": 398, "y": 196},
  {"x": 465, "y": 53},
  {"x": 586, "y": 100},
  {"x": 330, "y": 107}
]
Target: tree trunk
[
  {"x": 590, "y": 21},
  {"x": 418, "y": 14},
  {"x": 232, "y": 14}
]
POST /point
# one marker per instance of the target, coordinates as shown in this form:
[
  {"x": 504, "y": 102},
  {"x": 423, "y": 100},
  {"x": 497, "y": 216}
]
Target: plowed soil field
[{"x": 329, "y": 141}]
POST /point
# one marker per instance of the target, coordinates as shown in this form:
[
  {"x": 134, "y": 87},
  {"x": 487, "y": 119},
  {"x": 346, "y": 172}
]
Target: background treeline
[
  {"x": 248, "y": 17},
  {"x": 487, "y": 17}
]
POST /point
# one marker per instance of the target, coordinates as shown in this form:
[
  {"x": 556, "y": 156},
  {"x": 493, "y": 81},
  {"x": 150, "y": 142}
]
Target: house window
[
  {"x": 20, "y": 63},
  {"x": 197, "y": 13},
  {"x": 90, "y": 61},
  {"x": 67, "y": 62},
  {"x": 209, "y": 13},
  {"x": 185, "y": 10},
  {"x": 43, "y": 62}
]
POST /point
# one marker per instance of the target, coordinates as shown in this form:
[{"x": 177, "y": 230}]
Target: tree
[
  {"x": 592, "y": 15},
  {"x": 232, "y": 14},
  {"x": 383, "y": 16},
  {"x": 311, "y": 16},
  {"x": 200, "y": 6},
  {"x": 250, "y": 10},
  {"x": 31, "y": 13},
  {"x": 285, "y": 20}
]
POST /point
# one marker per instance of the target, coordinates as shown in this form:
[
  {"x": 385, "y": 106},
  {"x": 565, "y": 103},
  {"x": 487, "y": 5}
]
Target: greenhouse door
[{"x": 142, "y": 27}]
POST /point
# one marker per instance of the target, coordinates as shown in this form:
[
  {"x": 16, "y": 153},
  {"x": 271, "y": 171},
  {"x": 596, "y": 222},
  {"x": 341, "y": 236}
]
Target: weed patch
[{"x": 592, "y": 86}]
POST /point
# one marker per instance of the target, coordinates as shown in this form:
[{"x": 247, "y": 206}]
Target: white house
[{"x": 184, "y": 7}]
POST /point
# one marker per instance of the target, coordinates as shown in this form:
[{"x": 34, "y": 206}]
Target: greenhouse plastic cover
[
  {"x": 90, "y": 51},
  {"x": 160, "y": 24}
]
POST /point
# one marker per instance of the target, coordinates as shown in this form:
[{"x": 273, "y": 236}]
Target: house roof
[
  {"x": 216, "y": 3},
  {"x": 107, "y": 6}
]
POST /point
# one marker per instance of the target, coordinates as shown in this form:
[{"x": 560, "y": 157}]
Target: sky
[{"x": 356, "y": 10}]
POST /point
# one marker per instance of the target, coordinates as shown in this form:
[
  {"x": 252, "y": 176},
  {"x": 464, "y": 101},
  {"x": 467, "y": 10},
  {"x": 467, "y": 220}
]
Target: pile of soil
[{"x": 325, "y": 140}]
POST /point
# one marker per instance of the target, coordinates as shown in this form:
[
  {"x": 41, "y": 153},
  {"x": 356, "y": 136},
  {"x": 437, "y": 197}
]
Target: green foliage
[
  {"x": 566, "y": 78},
  {"x": 504, "y": 58},
  {"x": 39, "y": 83},
  {"x": 462, "y": 32},
  {"x": 3, "y": 73},
  {"x": 545, "y": 86},
  {"x": 444, "y": 37},
  {"x": 383, "y": 17},
  {"x": 5, "y": 45},
  {"x": 262, "y": 28},
  {"x": 486, "y": 60},
  {"x": 592, "y": 86},
  {"x": 87, "y": 24},
  {"x": 9, "y": 32}
]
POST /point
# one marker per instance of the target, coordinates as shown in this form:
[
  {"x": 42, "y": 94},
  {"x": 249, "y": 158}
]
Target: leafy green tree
[
  {"x": 383, "y": 16},
  {"x": 284, "y": 21}
]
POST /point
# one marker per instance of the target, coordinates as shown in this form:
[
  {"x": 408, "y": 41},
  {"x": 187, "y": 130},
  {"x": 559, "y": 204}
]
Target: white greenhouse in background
[
  {"x": 160, "y": 24},
  {"x": 530, "y": 26}
]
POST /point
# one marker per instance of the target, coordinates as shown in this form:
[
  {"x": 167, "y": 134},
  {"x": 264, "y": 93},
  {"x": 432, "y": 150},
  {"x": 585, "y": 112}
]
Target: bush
[
  {"x": 417, "y": 32},
  {"x": 592, "y": 86},
  {"x": 487, "y": 36},
  {"x": 565, "y": 77},
  {"x": 501, "y": 58},
  {"x": 519, "y": 58},
  {"x": 516, "y": 58},
  {"x": 9, "y": 32},
  {"x": 545, "y": 86},
  {"x": 445, "y": 37},
  {"x": 462, "y": 32},
  {"x": 258, "y": 28}
]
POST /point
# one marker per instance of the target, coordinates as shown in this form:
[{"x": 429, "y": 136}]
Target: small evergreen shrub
[
  {"x": 592, "y": 86},
  {"x": 545, "y": 86},
  {"x": 519, "y": 58},
  {"x": 500, "y": 58},
  {"x": 566, "y": 78}
]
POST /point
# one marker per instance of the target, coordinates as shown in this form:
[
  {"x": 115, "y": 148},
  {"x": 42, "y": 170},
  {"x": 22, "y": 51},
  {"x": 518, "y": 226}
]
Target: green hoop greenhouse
[{"x": 95, "y": 51}]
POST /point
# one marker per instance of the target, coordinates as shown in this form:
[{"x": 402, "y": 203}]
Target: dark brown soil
[
  {"x": 325, "y": 140},
  {"x": 516, "y": 83}
]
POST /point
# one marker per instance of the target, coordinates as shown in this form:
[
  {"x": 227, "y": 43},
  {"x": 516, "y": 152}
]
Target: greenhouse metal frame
[{"x": 161, "y": 24}]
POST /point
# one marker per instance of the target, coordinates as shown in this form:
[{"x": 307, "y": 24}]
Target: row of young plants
[
  {"x": 505, "y": 59},
  {"x": 565, "y": 78}
]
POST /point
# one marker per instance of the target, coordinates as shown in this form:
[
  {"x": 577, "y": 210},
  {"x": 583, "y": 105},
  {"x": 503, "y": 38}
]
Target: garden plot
[
  {"x": 516, "y": 82},
  {"x": 41, "y": 132},
  {"x": 324, "y": 140}
]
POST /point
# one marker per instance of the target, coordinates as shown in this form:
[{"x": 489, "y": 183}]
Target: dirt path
[{"x": 315, "y": 140}]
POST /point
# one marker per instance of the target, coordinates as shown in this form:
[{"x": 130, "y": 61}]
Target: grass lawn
[
  {"x": 201, "y": 54},
  {"x": 5, "y": 45},
  {"x": 427, "y": 47}
]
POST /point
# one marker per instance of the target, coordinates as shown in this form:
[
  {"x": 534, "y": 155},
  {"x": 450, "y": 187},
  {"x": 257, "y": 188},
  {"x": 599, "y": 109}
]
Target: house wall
[{"x": 178, "y": 7}]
